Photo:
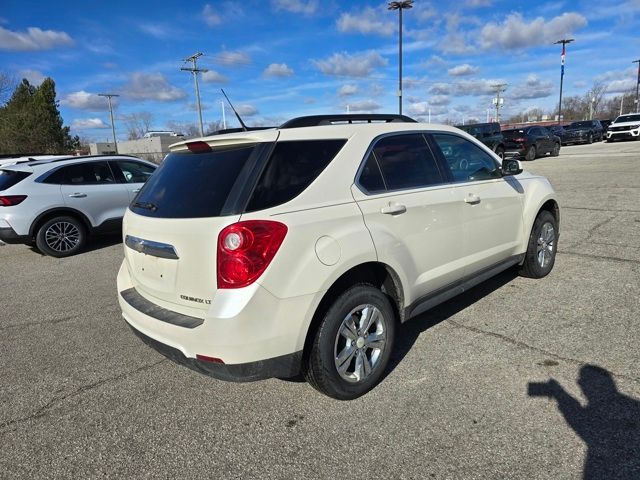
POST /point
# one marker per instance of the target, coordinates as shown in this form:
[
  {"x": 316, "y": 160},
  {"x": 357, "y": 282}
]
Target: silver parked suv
[{"x": 56, "y": 203}]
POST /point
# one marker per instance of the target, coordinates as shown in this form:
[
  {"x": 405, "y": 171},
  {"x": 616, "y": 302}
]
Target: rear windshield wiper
[{"x": 146, "y": 205}]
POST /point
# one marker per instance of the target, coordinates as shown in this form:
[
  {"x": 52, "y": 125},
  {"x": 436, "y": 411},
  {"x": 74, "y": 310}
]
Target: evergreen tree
[{"x": 30, "y": 122}]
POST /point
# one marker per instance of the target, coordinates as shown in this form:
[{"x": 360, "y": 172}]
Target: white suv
[
  {"x": 625, "y": 126},
  {"x": 55, "y": 203},
  {"x": 300, "y": 249}
]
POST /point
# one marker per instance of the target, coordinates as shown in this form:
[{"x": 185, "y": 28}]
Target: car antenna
[{"x": 244, "y": 127}]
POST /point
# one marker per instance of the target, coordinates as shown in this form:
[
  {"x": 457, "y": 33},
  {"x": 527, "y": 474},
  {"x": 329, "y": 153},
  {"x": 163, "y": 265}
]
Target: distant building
[{"x": 154, "y": 148}]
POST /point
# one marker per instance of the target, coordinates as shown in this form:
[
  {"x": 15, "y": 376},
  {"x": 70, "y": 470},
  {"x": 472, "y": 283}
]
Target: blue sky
[{"x": 283, "y": 58}]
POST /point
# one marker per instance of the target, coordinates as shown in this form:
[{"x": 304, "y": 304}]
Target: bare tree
[
  {"x": 7, "y": 85},
  {"x": 137, "y": 124},
  {"x": 595, "y": 95}
]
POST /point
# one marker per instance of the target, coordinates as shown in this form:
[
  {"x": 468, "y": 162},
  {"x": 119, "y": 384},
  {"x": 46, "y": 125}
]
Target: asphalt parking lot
[{"x": 82, "y": 397}]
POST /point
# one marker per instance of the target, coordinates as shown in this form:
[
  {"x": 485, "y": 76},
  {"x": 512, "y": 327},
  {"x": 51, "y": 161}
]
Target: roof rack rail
[
  {"x": 317, "y": 120},
  {"x": 79, "y": 157}
]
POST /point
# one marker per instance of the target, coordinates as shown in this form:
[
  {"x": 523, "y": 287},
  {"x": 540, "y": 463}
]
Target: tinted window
[
  {"x": 8, "y": 178},
  {"x": 88, "y": 173},
  {"x": 192, "y": 185},
  {"x": 290, "y": 169},
  {"x": 406, "y": 162},
  {"x": 371, "y": 178},
  {"x": 627, "y": 118},
  {"x": 467, "y": 161},
  {"x": 128, "y": 171}
]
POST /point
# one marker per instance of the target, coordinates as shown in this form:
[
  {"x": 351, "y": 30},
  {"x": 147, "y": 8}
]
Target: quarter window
[
  {"x": 467, "y": 162},
  {"x": 131, "y": 172},
  {"x": 406, "y": 162}
]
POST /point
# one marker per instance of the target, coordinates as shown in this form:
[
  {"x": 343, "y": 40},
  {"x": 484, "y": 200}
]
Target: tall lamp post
[
  {"x": 637, "y": 86},
  {"x": 564, "y": 42},
  {"x": 400, "y": 6},
  {"x": 113, "y": 126}
]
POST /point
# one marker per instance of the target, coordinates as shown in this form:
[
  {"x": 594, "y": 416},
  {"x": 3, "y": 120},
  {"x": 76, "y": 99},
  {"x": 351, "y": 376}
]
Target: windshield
[{"x": 627, "y": 118}]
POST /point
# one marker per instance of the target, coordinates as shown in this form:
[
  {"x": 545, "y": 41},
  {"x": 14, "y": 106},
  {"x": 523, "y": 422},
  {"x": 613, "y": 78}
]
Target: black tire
[
  {"x": 500, "y": 152},
  {"x": 319, "y": 366},
  {"x": 590, "y": 139},
  {"x": 531, "y": 153},
  {"x": 556, "y": 150},
  {"x": 533, "y": 267},
  {"x": 61, "y": 237}
]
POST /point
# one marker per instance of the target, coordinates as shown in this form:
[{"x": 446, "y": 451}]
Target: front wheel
[
  {"x": 590, "y": 139},
  {"x": 556, "y": 150},
  {"x": 61, "y": 237},
  {"x": 353, "y": 344},
  {"x": 542, "y": 247}
]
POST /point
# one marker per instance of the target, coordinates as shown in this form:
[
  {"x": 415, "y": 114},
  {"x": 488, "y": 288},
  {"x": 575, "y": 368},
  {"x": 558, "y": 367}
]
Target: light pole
[
  {"x": 113, "y": 127},
  {"x": 400, "y": 6},
  {"x": 564, "y": 42},
  {"x": 195, "y": 70},
  {"x": 637, "y": 86},
  {"x": 500, "y": 87},
  {"x": 593, "y": 101}
]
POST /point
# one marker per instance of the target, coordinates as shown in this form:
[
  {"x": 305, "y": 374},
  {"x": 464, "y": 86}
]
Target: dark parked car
[
  {"x": 587, "y": 131},
  {"x": 567, "y": 137},
  {"x": 530, "y": 142},
  {"x": 605, "y": 124},
  {"x": 487, "y": 133}
]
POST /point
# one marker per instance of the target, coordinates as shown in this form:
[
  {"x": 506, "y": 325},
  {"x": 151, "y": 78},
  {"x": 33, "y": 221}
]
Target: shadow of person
[{"x": 609, "y": 423}]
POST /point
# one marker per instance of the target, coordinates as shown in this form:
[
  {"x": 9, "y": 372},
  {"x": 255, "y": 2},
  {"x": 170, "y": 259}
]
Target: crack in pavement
[
  {"x": 526, "y": 346},
  {"x": 43, "y": 322},
  {"x": 44, "y": 410},
  {"x": 599, "y": 257},
  {"x": 590, "y": 209}
]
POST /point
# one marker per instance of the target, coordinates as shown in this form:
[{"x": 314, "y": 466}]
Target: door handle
[
  {"x": 78, "y": 195},
  {"x": 472, "y": 199},
  {"x": 393, "y": 209}
]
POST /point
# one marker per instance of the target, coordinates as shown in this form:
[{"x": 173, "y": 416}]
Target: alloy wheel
[
  {"x": 62, "y": 236},
  {"x": 546, "y": 244}
]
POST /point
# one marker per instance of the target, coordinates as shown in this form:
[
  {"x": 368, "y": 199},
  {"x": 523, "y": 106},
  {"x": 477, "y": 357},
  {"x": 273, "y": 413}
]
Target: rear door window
[
  {"x": 292, "y": 167},
  {"x": 9, "y": 178},
  {"x": 88, "y": 173},
  {"x": 192, "y": 185},
  {"x": 406, "y": 162},
  {"x": 128, "y": 171}
]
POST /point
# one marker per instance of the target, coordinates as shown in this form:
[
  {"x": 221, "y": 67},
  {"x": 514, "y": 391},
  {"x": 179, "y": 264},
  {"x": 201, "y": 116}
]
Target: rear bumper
[
  {"x": 254, "y": 333},
  {"x": 8, "y": 235}
]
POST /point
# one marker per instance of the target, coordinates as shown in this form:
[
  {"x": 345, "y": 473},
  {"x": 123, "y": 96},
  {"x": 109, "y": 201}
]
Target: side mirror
[{"x": 511, "y": 166}]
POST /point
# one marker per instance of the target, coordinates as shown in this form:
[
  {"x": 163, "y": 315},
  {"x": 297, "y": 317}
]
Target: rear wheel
[
  {"x": 500, "y": 152},
  {"x": 556, "y": 150},
  {"x": 531, "y": 153},
  {"x": 61, "y": 237},
  {"x": 590, "y": 139},
  {"x": 542, "y": 247},
  {"x": 353, "y": 344}
]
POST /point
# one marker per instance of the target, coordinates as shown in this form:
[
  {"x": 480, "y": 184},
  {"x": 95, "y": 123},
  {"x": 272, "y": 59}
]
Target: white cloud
[
  {"x": 532, "y": 87},
  {"x": 454, "y": 40},
  {"x": 85, "y": 101},
  {"x": 232, "y": 58},
  {"x": 156, "y": 30},
  {"x": 424, "y": 12},
  {"x": 33, "y": 39},
  {"x": 440, "y": 100},
  {"x": 363, "y": 106},
  {"x": 214, "y": 77},
  {"x": 440, "y": 89},
  {"x": 479, "y": 3},
  {"x": 152, "y": 86},
  {"x": 246, "y": 110},
  {"x": 85, "y": 123},
  {"x": 622, "y": 86},
  {"x": 343, "y": 64},
  {"x": 277, "y": 70},
  {"x": 348, "y": 89},
  {"x": 461, "y": 70},
  {"x": 475, "y": 87},
  {"x": 35, "y": 77},
  {"x": 210, "y": 17},
  {"x": 368, "y": 22},
  {"x": 516, "y": 33},
  {"x": 296, "y": 6},
  {"x": 422, "y": 108}
]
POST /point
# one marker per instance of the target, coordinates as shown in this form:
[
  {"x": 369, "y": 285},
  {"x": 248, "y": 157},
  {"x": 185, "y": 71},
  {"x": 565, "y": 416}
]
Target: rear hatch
[
  {"x": 514, "y": 139},
  {"x": 171, "y": 228}
]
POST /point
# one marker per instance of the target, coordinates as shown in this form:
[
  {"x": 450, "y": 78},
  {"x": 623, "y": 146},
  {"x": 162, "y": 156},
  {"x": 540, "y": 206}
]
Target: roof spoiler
[{"x": 318, "y": 120}]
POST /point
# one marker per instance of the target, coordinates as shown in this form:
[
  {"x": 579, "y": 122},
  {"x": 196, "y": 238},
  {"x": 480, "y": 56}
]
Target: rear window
[
  {"x": 8, "y": 178},
  {"x": 513, "y": 133},
  {"x": 291, "y": 169},
  {"x": 192, "y": 185}
]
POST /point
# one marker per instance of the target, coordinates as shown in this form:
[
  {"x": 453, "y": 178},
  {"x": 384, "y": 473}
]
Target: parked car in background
[
  {"x": 301, "y": 249},
  {"x": 488, "y": 133},
  {"x": 56, "y": 203},
  {"x": 624, "y": 127},
  {"x": 586, "y": 131},
  {"x": 530, "y": 143},
  {"x": 567, "y": 137},
  {"x": 605, "y": 126}
]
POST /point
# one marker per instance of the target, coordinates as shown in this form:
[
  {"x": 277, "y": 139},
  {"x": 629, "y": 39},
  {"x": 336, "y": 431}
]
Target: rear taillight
[
  {"x": 519, "y": 140},
  {"x": 11, "y": 200},
  {"x": 245, "y": 250}
]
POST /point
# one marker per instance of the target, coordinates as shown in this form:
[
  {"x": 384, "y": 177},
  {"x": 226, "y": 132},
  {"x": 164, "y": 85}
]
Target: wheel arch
[
  {"x": 56, "y": 212},
  {"x": 378, "y": 274}
]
